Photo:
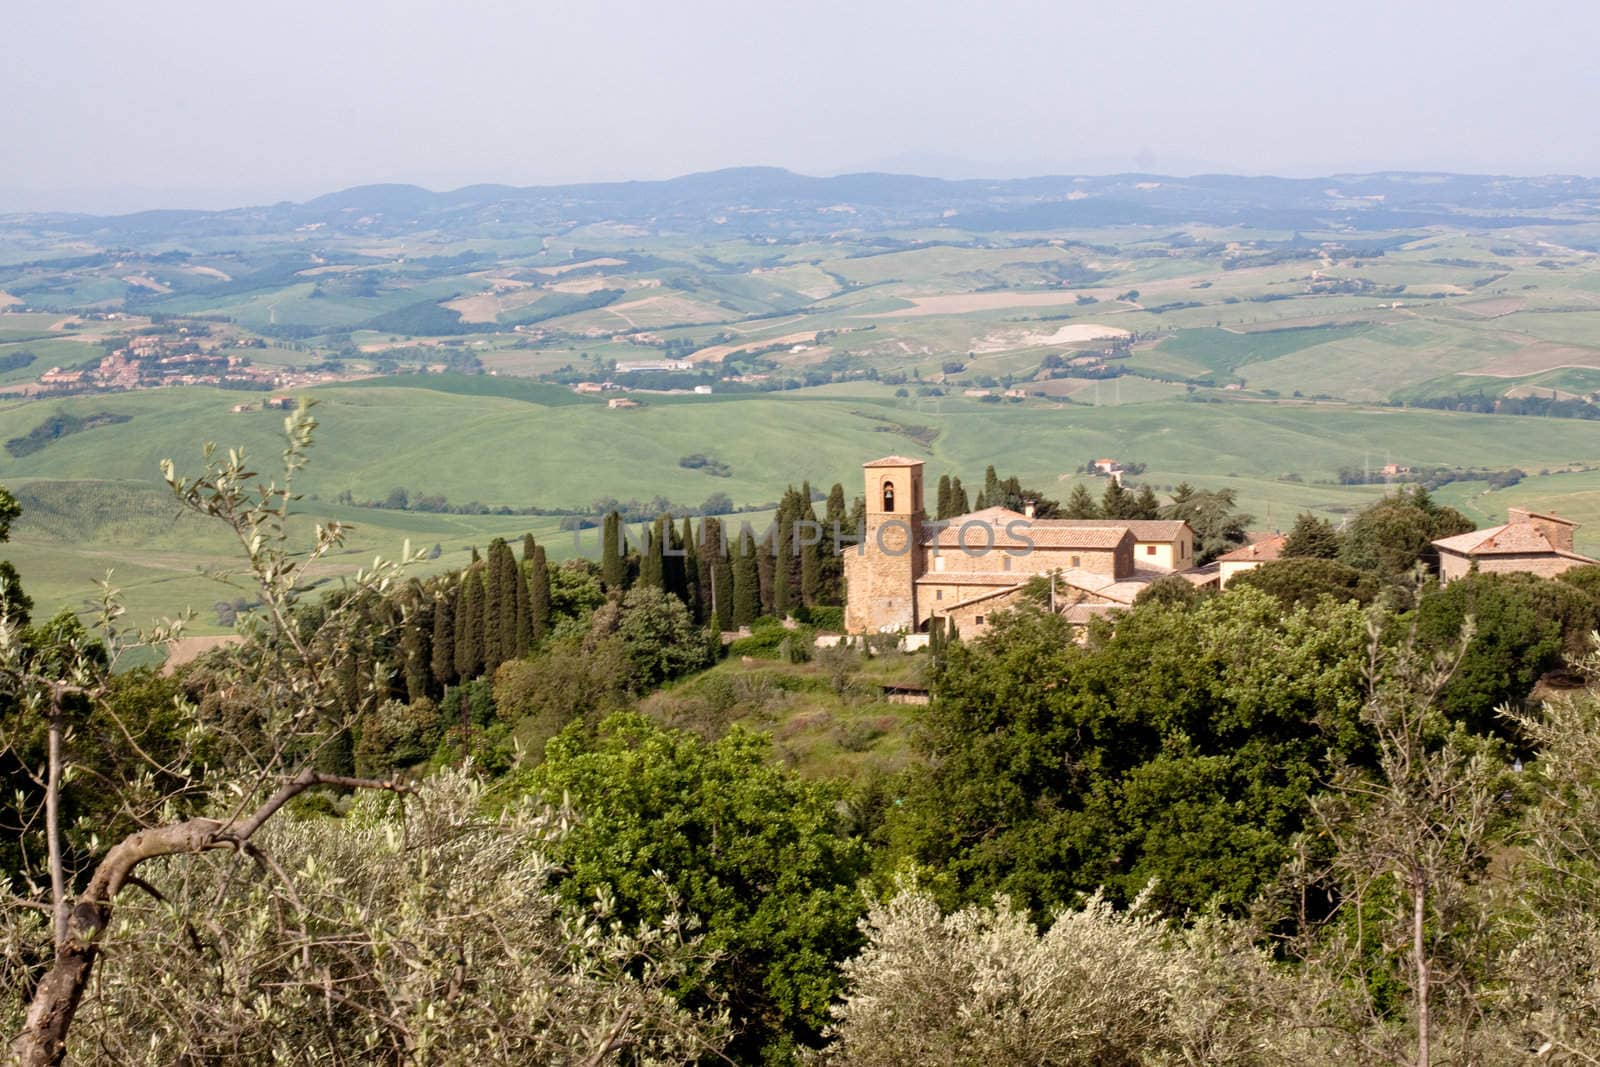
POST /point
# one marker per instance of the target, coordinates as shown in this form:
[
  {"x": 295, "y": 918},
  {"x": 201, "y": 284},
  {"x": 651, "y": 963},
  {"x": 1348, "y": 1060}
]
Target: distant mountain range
[{"x": 777, "y": 202}]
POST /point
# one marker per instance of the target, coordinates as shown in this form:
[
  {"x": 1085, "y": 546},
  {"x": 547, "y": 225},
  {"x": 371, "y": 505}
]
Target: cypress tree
[
  {"x": 499, "y": 601},
  {"x": 689, "y": 566},
  {"x": 991, "y": 486},
  {"x": 513, "y": 606},
  {"x": 958, "y": 499},
  {"x": 416, "y": 640},
  {"x": 443, "y": 659},
  {"x": 783, "y": 549},
  {"x": 764, "y": 573},
  {"x": 943, "y": 508},
  {"x": 530, "y": 573},
  {"x": 613, "y": 568},
  {"x": 746, "y": 600},
  {"x": 835, "y": 523},
  {"x": 858, "y": 517},
  {"x": 835, "y": 511},
  {"x": 650, "y": 562},
  {"x": 810, "y": 557},
  {"x": 524, "y": 628},
  {"x": 538, "y": 596},
  {"x": 469, "y": 625},
  {"x": 1081, "y": 505},
  {"x": 719, "y": 588},
  {"x": 674, "y": 570},
  {"x": 475, "y": 557}
]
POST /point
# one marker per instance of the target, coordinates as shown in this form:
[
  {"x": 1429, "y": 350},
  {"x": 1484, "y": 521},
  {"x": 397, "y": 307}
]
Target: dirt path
[{"x": 718, "y": 353}]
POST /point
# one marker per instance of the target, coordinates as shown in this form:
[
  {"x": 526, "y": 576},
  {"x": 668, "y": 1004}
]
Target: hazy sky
[{"x": 166, "y": 103}]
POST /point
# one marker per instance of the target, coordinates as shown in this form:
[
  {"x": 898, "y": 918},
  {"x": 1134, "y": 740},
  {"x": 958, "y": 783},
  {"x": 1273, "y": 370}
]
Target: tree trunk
[
  {"x": 1419, "y": 901},
  {"x": 43, "y": 1041},
  {"x": 52, "y": 823}
]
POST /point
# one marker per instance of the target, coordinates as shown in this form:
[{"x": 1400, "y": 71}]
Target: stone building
[
  {"x": 908, "y": 571},
  {"x": 1528, "y": 542},
  {"x": 1249, "y": 557}
]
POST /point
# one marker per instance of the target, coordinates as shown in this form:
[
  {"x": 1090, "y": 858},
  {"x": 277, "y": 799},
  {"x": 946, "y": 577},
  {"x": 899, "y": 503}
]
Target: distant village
[{"x": 157, "y": 358}]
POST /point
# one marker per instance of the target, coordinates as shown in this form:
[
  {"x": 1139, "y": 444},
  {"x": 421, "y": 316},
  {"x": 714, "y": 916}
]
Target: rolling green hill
[{"x": 94, "y": 502}]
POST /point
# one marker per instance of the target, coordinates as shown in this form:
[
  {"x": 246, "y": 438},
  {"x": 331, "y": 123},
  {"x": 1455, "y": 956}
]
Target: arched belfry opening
[{"x": 888, "y": 496}]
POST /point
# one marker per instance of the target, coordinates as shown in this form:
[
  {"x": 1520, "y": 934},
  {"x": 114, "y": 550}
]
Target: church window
[
  {"x": 1006, "y": 562},
  {"x": 938, "y": 594},
  {"x": 979, "y": 620},
  {"x": 888, "y": 496},
  {"x": 1077, "y": 561},
  {"x": 1149, "y": 550}
]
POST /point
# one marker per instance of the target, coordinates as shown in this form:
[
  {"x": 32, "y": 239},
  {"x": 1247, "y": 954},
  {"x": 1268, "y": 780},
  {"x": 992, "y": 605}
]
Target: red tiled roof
[
  {"x": 995, "y": 515},
  {"x": 894, "y": 461},
  {"x": 1543, "y": 515},
  {"x": 1007, "y": 529},
  {"x": 1143, "y": 529},
  {"x": 1263, "y": 551},
  {"x": 1511, "y": 538}
]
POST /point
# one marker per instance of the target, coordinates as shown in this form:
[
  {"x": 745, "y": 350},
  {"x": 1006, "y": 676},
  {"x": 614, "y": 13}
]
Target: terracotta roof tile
[
  {"x": 894, "y": 461},
  {"x": 1143, "y": 529},
  {"x": 1465, "y": 543},
  {"x": 1261, "y": 552},
  {"x": 1512, "y": 538},
  {"x": 1515, "y": 537},
  {"x": 1007, "y": 529}
]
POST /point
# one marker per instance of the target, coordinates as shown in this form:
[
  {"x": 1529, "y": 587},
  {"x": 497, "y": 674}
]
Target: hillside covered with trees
[{"x": 531, "y": 812}]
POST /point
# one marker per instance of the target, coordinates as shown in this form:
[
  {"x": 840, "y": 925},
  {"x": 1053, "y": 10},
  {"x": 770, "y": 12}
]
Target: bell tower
[{"x": 881, "y": 573}]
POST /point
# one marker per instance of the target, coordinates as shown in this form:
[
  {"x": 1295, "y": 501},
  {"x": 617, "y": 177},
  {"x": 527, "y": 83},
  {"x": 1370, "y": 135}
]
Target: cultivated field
[{"x": 1266, "y": 355}]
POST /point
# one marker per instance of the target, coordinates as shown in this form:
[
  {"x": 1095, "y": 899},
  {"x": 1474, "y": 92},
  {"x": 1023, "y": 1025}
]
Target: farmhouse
[
  {"x": 1249, "y": 557},
  {"x": 908, "y": 571},
  {"x": 653, "y": 365},
  {"x": 1527, "y": 543}
]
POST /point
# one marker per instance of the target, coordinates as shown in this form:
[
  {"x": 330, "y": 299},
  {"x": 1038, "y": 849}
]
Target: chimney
[{"x": 1027, "y": 508}]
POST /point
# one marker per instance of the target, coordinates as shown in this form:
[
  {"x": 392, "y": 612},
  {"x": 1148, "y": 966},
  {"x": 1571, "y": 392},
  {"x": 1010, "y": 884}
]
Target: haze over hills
[{"x": 773, "y": 200}]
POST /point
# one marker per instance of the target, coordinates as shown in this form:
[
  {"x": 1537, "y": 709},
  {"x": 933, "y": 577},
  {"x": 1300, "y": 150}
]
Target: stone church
[{"x": 908, "y": 570}]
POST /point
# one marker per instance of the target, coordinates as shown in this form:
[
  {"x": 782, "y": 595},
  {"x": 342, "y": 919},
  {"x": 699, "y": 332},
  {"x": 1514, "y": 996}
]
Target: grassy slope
[{"x": 507, "y": 451}]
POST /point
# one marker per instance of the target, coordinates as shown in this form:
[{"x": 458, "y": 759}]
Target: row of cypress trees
[
  {"x": 495, "y": 610},
  {"x": 456, "y": 627},
  {"x": 730, "y": 579}
]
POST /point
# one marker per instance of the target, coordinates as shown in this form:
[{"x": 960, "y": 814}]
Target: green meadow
[{"x": 94, "y": 500}]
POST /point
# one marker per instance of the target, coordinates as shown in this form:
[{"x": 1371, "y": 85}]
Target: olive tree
[{"x": 197, "y": 817}]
